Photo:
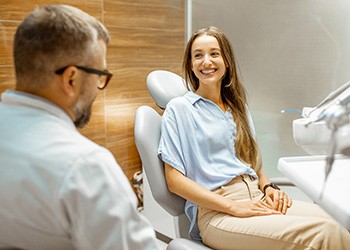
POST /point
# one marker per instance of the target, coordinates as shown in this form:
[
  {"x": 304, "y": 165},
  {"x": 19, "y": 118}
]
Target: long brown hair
[{"x": 232, "y": 93}]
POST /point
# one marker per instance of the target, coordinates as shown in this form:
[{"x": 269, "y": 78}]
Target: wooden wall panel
[
  {"x": 146, "y": 35},
  {"x": 146, "y": 15},
  {"x": 7, "y": 74},
  {"x": 16, "y": 10}
]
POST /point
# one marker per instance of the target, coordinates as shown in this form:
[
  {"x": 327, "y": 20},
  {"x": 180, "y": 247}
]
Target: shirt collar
[
  {"x": 192, "y": 97},
  {"x": 20, "y": 98}
]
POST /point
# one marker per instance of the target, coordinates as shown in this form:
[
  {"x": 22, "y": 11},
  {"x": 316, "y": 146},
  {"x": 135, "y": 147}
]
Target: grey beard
[{"x": 83, "y": 117}]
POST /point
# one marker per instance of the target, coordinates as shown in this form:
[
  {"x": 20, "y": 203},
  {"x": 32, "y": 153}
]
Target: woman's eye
[
  {"x": 197, "y": 55},
  {"x": 215, "y": 53}
]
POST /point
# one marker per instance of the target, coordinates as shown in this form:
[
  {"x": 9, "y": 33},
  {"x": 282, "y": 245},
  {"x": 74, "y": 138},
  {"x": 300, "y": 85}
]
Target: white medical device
[
  {"x": 334, "y": 97},
  {"x": 324, "y": 133},
  {"x": 334, "y": 110}
]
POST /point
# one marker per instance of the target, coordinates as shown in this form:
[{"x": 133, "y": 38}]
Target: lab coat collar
[{"x": 20, "y": 98}]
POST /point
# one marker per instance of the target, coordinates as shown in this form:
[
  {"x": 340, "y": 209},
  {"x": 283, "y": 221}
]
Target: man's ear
[{"x": 69, "y": 81}]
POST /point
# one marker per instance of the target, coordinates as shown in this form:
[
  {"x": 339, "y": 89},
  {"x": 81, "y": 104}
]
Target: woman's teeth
[{"x": 207, "y": 71}]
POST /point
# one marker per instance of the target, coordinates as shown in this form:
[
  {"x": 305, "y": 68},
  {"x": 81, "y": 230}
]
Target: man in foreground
[{"x": 59, "y": 190}]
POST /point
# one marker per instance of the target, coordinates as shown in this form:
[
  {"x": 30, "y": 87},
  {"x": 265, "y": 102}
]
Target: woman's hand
[
  {"x": 278, "y": 200},
  {"x": 252, "y": 208}
]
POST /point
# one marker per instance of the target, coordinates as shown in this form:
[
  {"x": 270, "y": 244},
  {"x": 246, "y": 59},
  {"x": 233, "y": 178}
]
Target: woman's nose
[{"x": 206, "y": 59}]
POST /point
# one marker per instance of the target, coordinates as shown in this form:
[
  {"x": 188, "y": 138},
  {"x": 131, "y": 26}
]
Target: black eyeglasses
[{"x": 104, "y": 75}]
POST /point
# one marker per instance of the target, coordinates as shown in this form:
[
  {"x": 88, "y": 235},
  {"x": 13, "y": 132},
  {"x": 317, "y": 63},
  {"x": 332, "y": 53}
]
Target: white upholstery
[
  {"x": 186, "y": 244},
  {"x": 164, "y": 86},
  {"x": 147, "y": 135}
]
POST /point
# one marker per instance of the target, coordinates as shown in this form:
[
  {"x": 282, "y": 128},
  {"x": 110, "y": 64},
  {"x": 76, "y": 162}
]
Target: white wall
[{"x": 291, "y": 54}]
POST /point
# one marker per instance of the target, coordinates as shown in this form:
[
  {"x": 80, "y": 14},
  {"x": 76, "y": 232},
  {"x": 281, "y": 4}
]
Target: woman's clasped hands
[
  {"x": 278, "y": 200},
  {"x": 274, "y": 202}
]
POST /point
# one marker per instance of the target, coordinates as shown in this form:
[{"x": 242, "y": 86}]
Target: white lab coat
[{"x": 59, "y": 190}]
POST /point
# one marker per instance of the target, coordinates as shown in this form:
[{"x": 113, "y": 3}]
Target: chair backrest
[
  {"x": 163, "y": 86},
  {"x": 147, "y": 135}
]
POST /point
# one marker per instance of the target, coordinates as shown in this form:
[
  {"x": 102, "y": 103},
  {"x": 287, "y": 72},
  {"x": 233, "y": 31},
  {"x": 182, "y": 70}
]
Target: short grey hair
[{"x": 54, "y": 36}]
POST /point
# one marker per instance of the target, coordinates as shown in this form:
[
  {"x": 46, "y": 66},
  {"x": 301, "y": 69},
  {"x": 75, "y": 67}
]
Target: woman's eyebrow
[
  {"x": 197, "y": 50},
  {"x": 211, "y": 49}
]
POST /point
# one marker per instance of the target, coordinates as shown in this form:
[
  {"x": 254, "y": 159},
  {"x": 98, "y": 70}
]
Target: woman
[{"x": 211, "y": 160}]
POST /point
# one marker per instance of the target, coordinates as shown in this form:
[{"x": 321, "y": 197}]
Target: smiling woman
[{"x": 212, "y": 160}]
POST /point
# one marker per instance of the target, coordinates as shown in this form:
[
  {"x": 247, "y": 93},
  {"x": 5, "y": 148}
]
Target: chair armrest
[{"x": 281, "y": 181}]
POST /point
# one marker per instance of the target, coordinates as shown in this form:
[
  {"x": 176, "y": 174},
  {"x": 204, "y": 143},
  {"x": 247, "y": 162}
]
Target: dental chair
[{"x": 163, "y": 86}]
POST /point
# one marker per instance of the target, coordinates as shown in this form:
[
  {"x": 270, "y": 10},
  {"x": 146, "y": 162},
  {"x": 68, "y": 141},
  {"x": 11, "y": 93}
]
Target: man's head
[{"x": 62, "y": 37}]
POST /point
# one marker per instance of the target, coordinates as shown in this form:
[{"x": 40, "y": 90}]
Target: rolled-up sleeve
[{"x": 170, "y": 144}]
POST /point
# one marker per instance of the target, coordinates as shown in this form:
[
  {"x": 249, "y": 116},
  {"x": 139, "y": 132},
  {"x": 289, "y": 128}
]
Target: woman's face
[{"x": 207, "y": 62}]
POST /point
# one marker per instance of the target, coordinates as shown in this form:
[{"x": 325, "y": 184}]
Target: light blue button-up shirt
[{"x": 197, "y": 138}]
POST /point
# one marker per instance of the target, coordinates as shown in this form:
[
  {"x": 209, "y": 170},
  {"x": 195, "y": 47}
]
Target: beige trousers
[{"x": 305, "y": 226}]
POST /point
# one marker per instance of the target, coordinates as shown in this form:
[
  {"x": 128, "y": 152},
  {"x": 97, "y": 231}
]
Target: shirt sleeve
[
  {"x": 100, "y": 206},
  {"x": 170, "y": 148}
]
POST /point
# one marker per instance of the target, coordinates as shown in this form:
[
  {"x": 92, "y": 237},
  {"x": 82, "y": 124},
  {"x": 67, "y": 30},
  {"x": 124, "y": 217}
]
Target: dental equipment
[
  {"x": 336, "y": 115},
  {"x": 330, "y": 97}
]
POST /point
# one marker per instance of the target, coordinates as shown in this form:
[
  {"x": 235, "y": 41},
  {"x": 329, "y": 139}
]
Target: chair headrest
[{"x": 165, "y": 85}]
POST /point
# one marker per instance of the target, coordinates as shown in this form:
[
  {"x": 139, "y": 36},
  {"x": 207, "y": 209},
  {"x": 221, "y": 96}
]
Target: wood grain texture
[
  {"x": 146, "y": 35},
  {"x": 16, "y": 10}
]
